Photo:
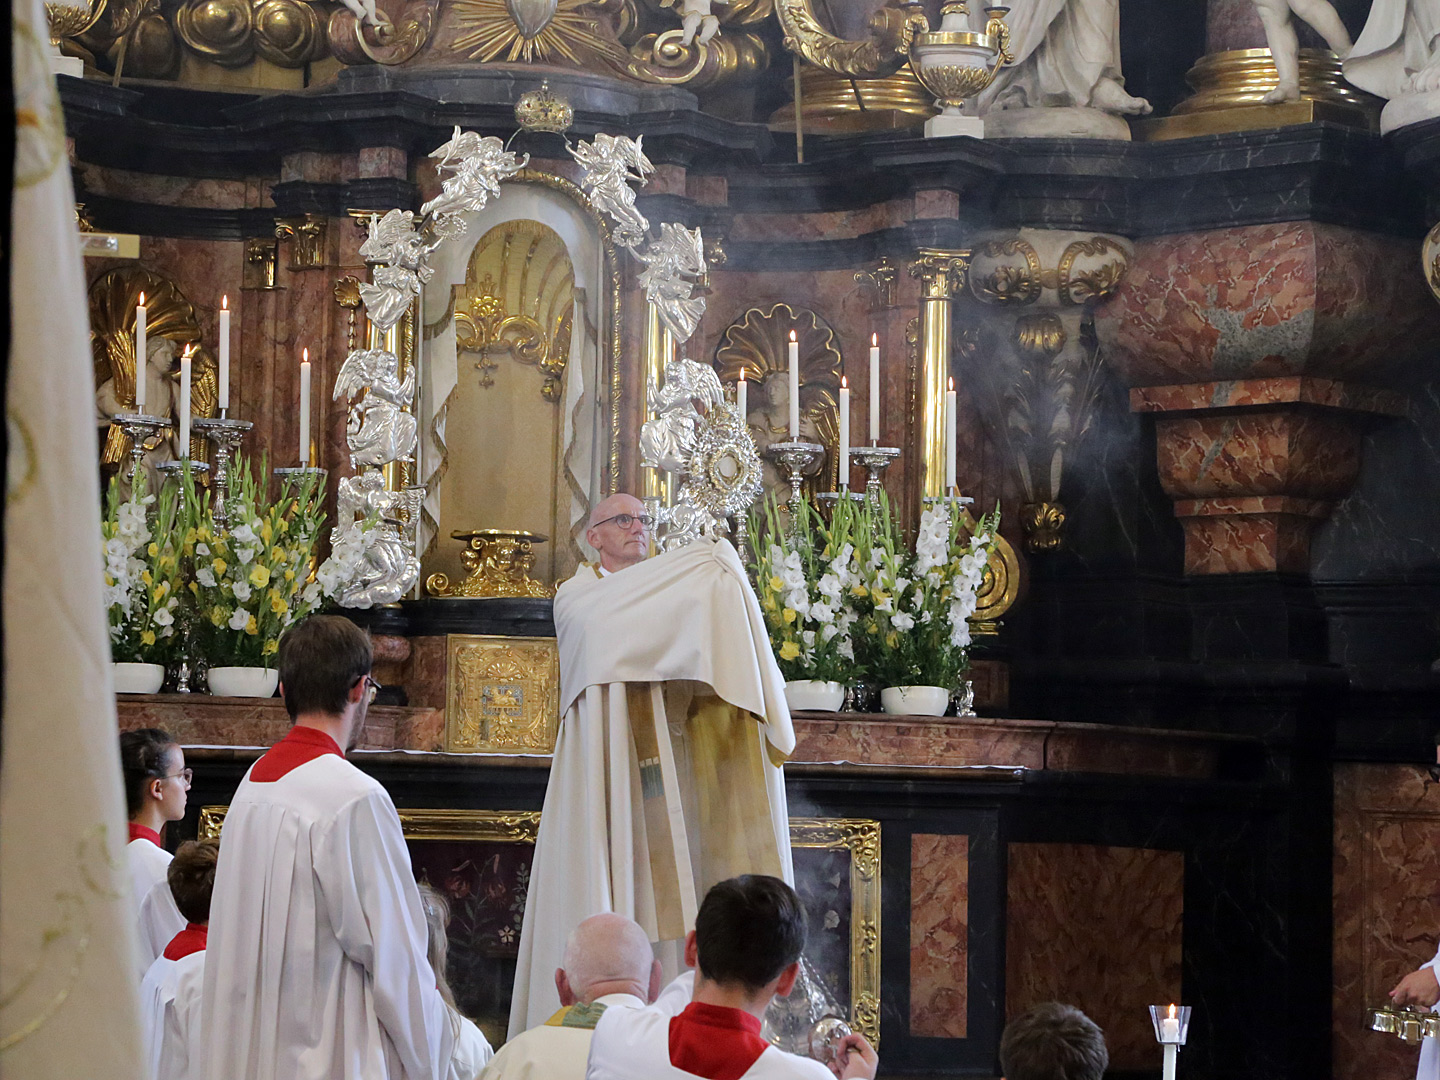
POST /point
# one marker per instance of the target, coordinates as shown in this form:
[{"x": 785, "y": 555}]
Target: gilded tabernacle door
[{"x": 518, "y": 417}]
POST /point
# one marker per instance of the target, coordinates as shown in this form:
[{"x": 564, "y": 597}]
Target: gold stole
[{"x": 716, "y": 784}]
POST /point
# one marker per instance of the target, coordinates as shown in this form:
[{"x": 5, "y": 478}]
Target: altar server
[
  {"x": 1053, "y": 1042},
  {"x": 608, "y": 965},
  {"x": 666, "y": 776},
  {"x": 472, "y": 1050},
  {"x": 156, "y": 785},
  {"x": 317, "y": 966},
  {"x": 190, "y": 879},
  {"x": 746, "y": 947}
]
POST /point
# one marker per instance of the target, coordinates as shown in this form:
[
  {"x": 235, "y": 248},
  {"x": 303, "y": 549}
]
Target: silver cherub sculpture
[
  {"x": 674, "y": 264},
  {"x": 379, "y": 428},
  {"x": 611, "y": 163}
]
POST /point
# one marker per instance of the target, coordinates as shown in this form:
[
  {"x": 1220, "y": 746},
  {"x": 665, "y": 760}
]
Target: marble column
[{"x": 1264, "y": 352}]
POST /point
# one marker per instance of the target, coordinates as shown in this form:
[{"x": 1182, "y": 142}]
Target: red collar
[
  {"x": 144, "y": 832},
  {"x": 187, "y": 941},
  {"x": 714, "y": 1042},
  {"x": 295, "y": 749}
]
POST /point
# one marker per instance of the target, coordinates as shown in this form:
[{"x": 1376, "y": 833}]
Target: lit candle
[
  {"x": 184, "y": 407},
  {"x": 224, "y": 402},
  {"x": 742, "y": 398},
  {"x": 950, "y": 439},
  {"x": 874, "y": 389},
  {"x": 304, "y": 407},
  {"x": 794, "y": 387},
  {"x": 141, "y": 363},
  {"x": 843, "y": 477},
  {"x": 1170, "y": 1037}
]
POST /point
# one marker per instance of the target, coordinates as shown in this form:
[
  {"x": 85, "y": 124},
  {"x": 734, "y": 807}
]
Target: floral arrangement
[
  {"x": 142, "y": 572},
  {"x": 848, "y": 600},
  {"x": 801, "y": 581},
  {"x": 252, "y": 582}
]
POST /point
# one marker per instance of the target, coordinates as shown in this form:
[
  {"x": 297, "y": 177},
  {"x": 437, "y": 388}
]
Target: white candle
[
  {"x": 1170, "y": 1051},
  {"x": 224, "y": 352},
  {"x": 184, "y": 407},
  {"x": 304, "y": 407},
  {"x": 843, "y": 477},
  {"x": 742, "y": 398},
  {"x": 141, "y": 363},
  {"x": 794, "y": 387},
  {"x": 950, "y": 439},
  {"x": 1170, "y": 1027},
  {"x": 874, "y": 389}
]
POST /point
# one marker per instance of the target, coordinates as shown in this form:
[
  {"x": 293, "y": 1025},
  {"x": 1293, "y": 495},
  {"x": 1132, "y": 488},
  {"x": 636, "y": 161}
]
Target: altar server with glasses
[
  {"x": 317, "y": 964},
  {"x": 156, "y": 785}
]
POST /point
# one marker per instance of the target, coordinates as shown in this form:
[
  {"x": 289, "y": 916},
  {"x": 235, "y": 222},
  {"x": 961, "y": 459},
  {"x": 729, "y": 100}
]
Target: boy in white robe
[
  {"x": 156, "y": 786},
  {"x": 1053, "y": 1042},
  {"x": 317, "y": 966},
  {"x": 746, "y": 946},
  {"x": 190, "y": 879},
  {"x": 608, "y": 965}
]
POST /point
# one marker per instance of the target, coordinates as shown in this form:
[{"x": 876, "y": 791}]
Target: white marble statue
[
  {"x": 1275, "y": 16},
  {"x": 367, "y": 12},
  {"x": 1398, "y": 57},
  {"x": 696, "y": 19},
  {"x": 1067, "y": 56}
]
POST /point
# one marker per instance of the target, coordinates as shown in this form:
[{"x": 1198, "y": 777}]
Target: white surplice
[
  {"x": 156, "y": 915},
  {"x": 170, "y": 1003},
  {"x": 472, "y": 1051},
  {"x": 666, "y": 774},
  {"x": 552, "y": 1051},
  {"x": 317, "y": 967},
  {"x": 636, "y": 1046}
]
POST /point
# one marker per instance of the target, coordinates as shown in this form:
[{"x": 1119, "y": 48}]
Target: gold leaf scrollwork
[
  {"x": 1006, "y": 272},
  {"x": 1091, "y": 283},
  {"x": 881, "y": 54},
  {"x": 504, "y": 694},
  {"x": 398, "y": 38},
  {"x": 221, "y": 31}
]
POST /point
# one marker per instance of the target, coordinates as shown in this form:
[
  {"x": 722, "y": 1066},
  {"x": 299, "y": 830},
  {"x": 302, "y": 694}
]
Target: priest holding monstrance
[{"x": 666, "y": 775}]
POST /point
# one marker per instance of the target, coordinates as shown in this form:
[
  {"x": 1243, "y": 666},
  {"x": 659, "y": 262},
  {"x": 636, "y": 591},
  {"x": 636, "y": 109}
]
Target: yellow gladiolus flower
[
  {"x": 289, "y": 574},
  {"x": 790, "y": 650},
  {"x": 266, "y": 532},
  {"x": 776, "y": 584},
  {"x": 219, "y": 566},
  {"x": 153, "y": 550},
  {"x": 892, "y": 639},
  {"x": 260, "y": 576},
  {"x": 788, "y": 615},
  {"x": 271, "y": 647},
  {"x": 110, "y": 581},
  {"x": 147, "y": 637},
  {"x": 283, "y": 526},
  {"x": 217, "y": 616},
  {"x": 859, "y": 590},
  {"x": 190, "y": 536},
  {"x": 278, "y": 606},
  {"x": 252, "y": 628},
  {"x": 146, "y": 578},
  {"x": 768, "y": 603}
]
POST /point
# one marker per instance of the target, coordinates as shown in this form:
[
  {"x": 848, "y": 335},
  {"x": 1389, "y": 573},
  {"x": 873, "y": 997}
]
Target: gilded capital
[{"x": 941, "y": 272}]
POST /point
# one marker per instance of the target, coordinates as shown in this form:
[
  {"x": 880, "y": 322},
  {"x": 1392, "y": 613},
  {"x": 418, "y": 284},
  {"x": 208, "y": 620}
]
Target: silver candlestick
[
  {"x": 178, "y": 467},
  {"x": 225, "y": 435},
  {"x": 299, "y": 472},
  {"x": 875, "y": 460},
  {"x": 800, "y": 458},
  {"x": 141, "y": 428}
]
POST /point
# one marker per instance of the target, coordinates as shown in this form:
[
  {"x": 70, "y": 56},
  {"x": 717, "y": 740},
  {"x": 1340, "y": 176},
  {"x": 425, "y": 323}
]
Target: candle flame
[
  {"x": 304, "y": 356},
  {"x": 1172, "y": 1012},
  {"x": 844, "y": 383},
  {"x": 742, "y": 374},
  {"x": 189, "y": 351},
  {"x": 874, "y": 341},
  {"x": 792, "y": 335},
  {"x": 952, "y": 383},
  {"x": 142, "y": 299},
  {"x": 224, "y": 301}
]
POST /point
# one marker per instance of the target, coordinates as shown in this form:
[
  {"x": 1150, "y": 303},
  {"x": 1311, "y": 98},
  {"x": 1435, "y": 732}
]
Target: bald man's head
[
  {"x": 608, "y": 954},
  {"x": 618, "y": 531}
]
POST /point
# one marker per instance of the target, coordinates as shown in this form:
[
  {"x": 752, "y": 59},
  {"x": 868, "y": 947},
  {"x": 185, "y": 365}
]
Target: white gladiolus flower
[
  {"x": 202, "y": 549},
  {"x": 163, "y": 617},
  {"x": 239, "y": 619},
  {"x": 828, "y": 632},
  {"x": 116, "y": 548},
  {"x": 205, "y": 576},
  {"x": 244, "y": 534},
  {"x": 242, "y": 591},
  {"x": 901, "y": 621},
  {"x": 828, "y": 585}
]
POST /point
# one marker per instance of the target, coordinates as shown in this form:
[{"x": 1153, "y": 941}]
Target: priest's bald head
[
  {"x": 607, "y": 954},
  {"x": 619, "y": 531}
]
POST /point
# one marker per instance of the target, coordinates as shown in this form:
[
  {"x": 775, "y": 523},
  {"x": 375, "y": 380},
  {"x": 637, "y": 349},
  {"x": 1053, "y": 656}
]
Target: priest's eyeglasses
[{"x": 626, "y": 520}]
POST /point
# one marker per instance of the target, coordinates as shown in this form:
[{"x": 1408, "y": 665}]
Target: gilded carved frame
[{"x": 859, "y": 836}]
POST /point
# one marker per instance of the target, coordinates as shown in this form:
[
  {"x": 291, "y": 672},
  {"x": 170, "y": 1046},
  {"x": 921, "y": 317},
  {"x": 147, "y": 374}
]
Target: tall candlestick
[
  {"x": 141, "y": 363},
  {"x": 1171, "y": 1050},
  {"x": 950, "y": 439},
  {"x": 874, "y": 389},
  {"x": 742, "y": 398},
  {"x": 224, "y": 401},
  {"x": 184, "y": 407},
  {"x": 794, "y": 388},
  {"x": 304, "y": 407},
  {"x": 843, "y": 476}
]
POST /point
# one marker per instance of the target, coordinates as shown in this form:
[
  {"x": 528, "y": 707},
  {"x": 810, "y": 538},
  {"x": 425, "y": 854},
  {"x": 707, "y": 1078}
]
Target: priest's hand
[
  {"x": 855, "y": 1059},
  {"x": 1417, "y": 988}
]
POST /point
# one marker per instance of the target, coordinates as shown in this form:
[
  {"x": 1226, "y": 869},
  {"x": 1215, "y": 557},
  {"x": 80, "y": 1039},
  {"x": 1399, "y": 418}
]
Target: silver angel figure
[
  {"x": 477, "y": 166},
  {"x": 668, "y": 440},
  {"x": 381, "y": 523},
  {"x": 612, "y": 163},
  {"x": 401, "y": 260},
  {"x": 674, "y": 263},
  {"x": 379, "y": 428}
]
